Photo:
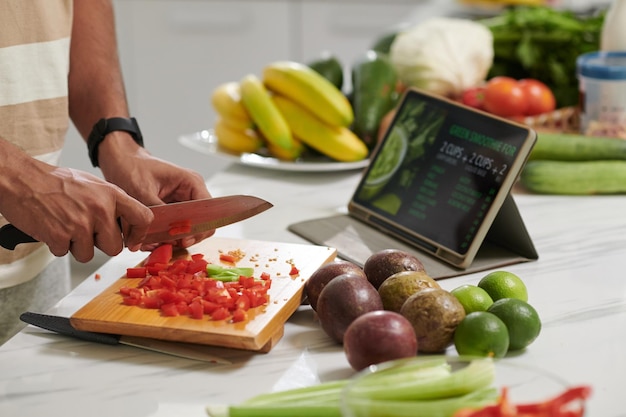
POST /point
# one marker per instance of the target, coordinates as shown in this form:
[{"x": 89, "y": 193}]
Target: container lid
[{"x": 604, "y": 65}]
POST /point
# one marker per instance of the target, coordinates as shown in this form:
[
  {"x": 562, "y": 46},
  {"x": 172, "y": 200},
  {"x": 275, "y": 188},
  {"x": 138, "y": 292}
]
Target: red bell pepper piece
[
  {"x": 562, "y": 405},
  {"x": 160, "y": 255}
]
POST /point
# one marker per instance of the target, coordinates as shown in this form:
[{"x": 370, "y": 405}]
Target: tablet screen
[{"x": 440, "y": 172}]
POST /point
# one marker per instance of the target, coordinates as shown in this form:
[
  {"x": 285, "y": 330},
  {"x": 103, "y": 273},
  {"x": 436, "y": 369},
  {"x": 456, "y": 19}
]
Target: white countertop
[{"x": 577, "y": 286}]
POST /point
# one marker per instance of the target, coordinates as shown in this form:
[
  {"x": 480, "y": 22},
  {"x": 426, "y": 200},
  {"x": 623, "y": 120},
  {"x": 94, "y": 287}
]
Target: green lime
[
  {"x": 521, "y": 320},
  {"x": 481, "y": 334},
  {"x": 472, "y": 298},
  {"x": 503, "y": 284}
]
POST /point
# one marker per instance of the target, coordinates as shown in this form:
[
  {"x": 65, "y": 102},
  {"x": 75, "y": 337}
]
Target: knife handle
[
  {"x": 11, "y": 236},
  {"x": 63, "y": 326}
]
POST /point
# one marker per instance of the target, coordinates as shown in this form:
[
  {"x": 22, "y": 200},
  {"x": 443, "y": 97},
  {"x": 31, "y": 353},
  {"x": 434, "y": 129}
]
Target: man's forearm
[{"x": 96, "y": 87}]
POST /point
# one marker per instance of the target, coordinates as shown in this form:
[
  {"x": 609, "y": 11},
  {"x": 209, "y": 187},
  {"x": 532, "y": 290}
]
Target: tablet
[{"x": 440, "y": 175}]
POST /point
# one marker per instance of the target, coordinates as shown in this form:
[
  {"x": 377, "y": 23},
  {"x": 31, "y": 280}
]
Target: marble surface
[{"x": 577, "y": 286}]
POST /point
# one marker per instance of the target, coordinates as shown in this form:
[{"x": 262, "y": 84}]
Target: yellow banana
[
  {"x": 287, "y": 154},
  {"x": 311, "y": 90},
  {"x": 236, "y": 140},
  {"x": 226, "y": 100},
  {"x": 270, "y": 122},
  {"x": 237, "y": 123},
  {"x": 336, "y": 142}
]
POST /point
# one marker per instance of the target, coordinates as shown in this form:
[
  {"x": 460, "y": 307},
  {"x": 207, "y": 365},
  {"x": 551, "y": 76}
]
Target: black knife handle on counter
[
  {"x": 11, "y": 236},
  {"x": 62, "y": 325}
]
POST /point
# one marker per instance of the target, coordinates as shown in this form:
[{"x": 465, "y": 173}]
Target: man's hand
[
  {"x": 150, "y": 180},
  {"x": 72, "y": 211}
]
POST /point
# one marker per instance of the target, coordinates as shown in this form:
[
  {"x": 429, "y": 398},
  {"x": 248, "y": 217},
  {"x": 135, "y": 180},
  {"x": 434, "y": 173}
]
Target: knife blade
[
  {"x": 175, "y": 220},
  {"x": 63, "y": 326}
]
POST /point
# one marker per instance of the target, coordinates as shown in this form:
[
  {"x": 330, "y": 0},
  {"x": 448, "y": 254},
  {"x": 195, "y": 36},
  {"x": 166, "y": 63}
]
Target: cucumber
[
  {"x": 330, "y": 68},
  {"x": 571, "y": 147},
  {"x": 374, "y": 94},
  {"x": 575, "y": 177}
]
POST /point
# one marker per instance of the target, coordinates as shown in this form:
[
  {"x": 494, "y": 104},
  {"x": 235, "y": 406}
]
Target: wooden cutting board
[{"x": 265, "y": 324}]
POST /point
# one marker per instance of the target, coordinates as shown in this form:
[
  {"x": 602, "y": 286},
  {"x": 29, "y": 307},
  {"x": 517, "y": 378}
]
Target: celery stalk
[
  {"x": 477, "y": 374},
  {"x": 320, "y": 392},
  {"x": 286, "y": 410},
  {"x": 445, "y": 407},
  {"x": 423, "y": 388}
]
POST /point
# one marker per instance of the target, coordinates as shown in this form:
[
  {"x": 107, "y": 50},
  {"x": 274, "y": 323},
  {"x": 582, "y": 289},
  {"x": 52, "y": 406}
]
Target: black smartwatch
[{"x": 105, "y": 126}]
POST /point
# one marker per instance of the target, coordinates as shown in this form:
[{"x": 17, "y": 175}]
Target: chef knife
[
  {"x": 175, "y": 220},
  {"x": 62, "y": 325}
]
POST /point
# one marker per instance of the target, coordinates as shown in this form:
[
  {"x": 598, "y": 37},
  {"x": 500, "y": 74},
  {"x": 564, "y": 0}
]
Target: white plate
[{"x": 205, "y": 142}]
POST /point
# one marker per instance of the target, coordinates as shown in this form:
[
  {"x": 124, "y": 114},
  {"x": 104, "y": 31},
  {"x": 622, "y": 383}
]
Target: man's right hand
[{"x": 73, "y": 211}]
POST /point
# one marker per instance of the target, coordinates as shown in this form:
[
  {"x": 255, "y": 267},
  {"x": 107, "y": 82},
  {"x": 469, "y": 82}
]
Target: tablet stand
[{"x": 506, "y": 243}]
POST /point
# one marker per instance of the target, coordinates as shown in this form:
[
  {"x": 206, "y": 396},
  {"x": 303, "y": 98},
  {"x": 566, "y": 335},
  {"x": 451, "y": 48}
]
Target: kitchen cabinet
[{"x": 174, "y": 52}]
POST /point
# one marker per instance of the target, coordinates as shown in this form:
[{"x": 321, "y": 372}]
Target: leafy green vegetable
[
  {"x": 543, "y": 43},
  {"x": 227, "y": 274}
]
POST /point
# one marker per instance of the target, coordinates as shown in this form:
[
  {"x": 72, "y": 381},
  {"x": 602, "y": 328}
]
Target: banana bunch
[{"x": 289, "y": 109}]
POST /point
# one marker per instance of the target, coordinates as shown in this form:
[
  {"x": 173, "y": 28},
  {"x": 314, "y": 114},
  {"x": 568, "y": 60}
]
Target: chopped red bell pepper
[
  {"x": 160, "y": 255},
  {"x": 226, "y": 257},
  {"x": 182, "y": 287},
  {"x": 136, "y": 272},
  {"x": 179, "y": 227}
]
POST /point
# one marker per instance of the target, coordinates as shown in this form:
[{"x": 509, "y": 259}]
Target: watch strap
[{"x": 105, "y": 126}]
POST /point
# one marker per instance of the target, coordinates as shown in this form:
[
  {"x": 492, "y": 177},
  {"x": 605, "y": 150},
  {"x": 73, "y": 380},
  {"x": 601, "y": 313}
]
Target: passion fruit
[
  {"x": 434, "y": 314},
  {"x": 378, "y": 336},
  {"x": 395, "y": 290},
  {"x": 381, "y": 265},
  {"x": 322, "y": 276},
  {"x": 342, "y": 300}
]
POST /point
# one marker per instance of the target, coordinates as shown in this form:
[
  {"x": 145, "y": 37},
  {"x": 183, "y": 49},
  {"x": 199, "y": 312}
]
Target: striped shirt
[{"x": 34, "y": 115}]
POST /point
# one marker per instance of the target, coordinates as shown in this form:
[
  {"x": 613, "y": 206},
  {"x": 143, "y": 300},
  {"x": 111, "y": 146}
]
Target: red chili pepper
[{"x": 561, "y": 405}]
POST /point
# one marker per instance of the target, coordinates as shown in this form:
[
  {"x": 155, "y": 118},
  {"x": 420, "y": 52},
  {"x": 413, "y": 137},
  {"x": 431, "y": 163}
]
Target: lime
[
  {"x": 521, "y": 320},
  {"x": 503, "y": 284},
  {"x": 481, "y": 334},
  {"x": 472, "y": 298}
]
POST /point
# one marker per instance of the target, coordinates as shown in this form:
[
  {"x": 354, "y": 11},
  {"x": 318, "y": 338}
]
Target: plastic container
[{"x": 602, "y": 84}]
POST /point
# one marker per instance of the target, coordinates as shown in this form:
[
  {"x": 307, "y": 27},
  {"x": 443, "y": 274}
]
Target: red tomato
[
  {"x": 504, "y": 97},
  {"x": 474, "y": 97},
  {"x": 539, "y": 97}
]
